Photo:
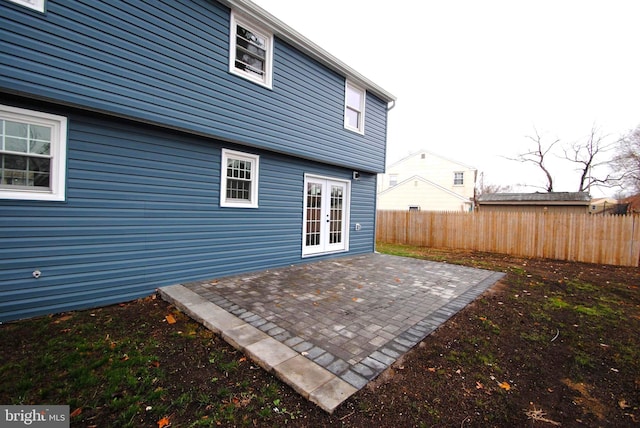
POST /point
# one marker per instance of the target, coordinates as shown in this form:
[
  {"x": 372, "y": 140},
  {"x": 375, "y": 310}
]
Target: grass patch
[{"x": 124, "y": 365}]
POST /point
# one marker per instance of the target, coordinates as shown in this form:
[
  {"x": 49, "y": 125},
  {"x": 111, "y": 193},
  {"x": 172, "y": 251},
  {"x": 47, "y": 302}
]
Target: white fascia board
[{"x": 289, "y": 35}]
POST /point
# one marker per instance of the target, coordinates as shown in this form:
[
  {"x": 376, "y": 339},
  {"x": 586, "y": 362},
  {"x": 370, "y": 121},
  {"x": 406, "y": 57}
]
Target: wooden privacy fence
[{"x": 613, "y": 240}]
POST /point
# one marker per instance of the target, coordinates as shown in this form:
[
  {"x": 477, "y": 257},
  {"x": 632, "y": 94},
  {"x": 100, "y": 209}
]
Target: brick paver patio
[{"x": 353, "y": 316}]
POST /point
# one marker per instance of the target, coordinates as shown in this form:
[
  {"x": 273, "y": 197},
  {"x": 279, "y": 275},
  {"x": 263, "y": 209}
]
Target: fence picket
[{"x": 588, "y": 238}]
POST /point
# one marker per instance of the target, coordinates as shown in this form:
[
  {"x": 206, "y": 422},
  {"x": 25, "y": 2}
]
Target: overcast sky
[{"x": 474, "y": 78}]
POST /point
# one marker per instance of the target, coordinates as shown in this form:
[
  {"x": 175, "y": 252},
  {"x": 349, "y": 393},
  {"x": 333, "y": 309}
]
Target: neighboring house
[
  {"x": 148, "y": 144},
  {"x": 603, "y": 206},
  {"x": 552, "y": 202},
  {"x": 429, "y": 182}
]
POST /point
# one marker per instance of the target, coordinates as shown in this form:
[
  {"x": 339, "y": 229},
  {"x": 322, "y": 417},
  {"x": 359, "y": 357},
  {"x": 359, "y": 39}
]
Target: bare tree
[
  {"x": 587, "y": 155},
  {"x": 484, "y": 188},
  {"x": 537, "y": 155},
  {"x": 626, "y": 162}
]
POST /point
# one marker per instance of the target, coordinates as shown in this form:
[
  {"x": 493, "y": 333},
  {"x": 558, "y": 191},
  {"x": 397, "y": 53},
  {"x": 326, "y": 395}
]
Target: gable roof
[
  {"x": 291, "y": 36},
  {"x": 419, "y": 152},
  {"x": 538, "y": 198},
  {"x": 428, "y": 182}
]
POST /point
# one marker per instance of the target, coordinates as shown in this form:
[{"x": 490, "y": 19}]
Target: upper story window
[
  {"x": 393, "y": 180},
  {"x": 37, "y": 5},
  {"x": 458, "y": 178},
  {"x": 354, "y": 108},
  {"x": 239, "y": 179},
  {"x": 33, "y": 148},
  {"x": 251, "y": 51}
]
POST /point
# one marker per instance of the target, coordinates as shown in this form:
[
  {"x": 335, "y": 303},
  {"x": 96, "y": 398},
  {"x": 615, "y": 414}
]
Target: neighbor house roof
[
  {"x": 538, "y": 198},
  {"x": 291, "y": 36},
  {"x": 429, "y": 183},
  {"x": 427, "y": 152}
]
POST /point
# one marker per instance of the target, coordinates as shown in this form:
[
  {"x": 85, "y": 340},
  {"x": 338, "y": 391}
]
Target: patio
[{"x": 329, "y": 327}]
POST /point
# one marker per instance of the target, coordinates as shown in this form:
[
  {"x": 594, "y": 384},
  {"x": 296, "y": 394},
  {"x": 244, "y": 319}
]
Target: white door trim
[{"x": 322, "y": 213}]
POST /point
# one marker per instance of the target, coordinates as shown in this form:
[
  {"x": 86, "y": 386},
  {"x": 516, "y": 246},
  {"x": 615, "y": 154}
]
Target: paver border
[{"x": 309, "y": 379}]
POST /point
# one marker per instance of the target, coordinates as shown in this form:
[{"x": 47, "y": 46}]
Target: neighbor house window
[
  {"x": 251, "y": 51},
  {"x": 37, "y": 5},
  {"x": 33, "y": 148},
  {"x": 354, "y": 108},
  {"x": 393, "y": 180},
  {"x": 239, "y": 181},
  {"x": 458, "y": 178}
]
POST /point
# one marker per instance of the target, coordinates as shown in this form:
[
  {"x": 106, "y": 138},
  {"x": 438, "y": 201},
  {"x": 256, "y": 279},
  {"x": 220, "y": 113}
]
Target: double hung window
[
  {"x": 458, "y": 178},
  {"x": 354, "y": 108},
  {"x": 239, "y": 180},
  {"x": 251, "y": 51},
  {"x": 32, "y": 155}
]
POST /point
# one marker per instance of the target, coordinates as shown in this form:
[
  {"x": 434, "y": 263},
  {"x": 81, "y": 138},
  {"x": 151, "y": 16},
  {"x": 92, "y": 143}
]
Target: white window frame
[
  {"x": 266, "y": 35},
  {"x": 37, "y": 5},
  {"x": 455, "y": 178},
  {"x": 359, "y": 109},
  {"x": 255, "y": 173},
  {"x": 58, "y": 153}
]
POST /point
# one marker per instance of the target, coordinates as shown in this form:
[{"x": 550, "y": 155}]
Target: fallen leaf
[
  {"x": 505, "y": 386},
  {"x": 479, "y": 385},
  {"x": 432, "y": 369},
  {"x": 164, "y": 422},
  {"x": 243, "y": 359},
  {"x": 155, "y": 364},
  {"x": 76, "y": 412},
  {"x": 125, "y": 357},
  {"x": 170, "y": 319},
  {"x": 623, "y": 404},
  {"x": 62, "y": 318}
]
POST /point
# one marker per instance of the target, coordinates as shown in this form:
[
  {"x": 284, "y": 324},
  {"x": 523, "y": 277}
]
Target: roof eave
[
  {"x": 521, "y": 203},
  {"x": 289, "y": 35}
]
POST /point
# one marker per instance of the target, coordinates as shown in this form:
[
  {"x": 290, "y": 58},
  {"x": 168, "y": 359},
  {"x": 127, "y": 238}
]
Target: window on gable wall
[
  {"x": 251, "y": 51},
  {"x": 458, "y": 178},
  {"x": 239, "y": 179},
  {"x": 354, "y": 108},
  {"x": 32, "y": 155}
]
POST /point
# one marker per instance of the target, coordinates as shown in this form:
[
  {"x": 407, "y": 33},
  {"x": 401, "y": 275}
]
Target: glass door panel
[{"x": 325, "y": 216}]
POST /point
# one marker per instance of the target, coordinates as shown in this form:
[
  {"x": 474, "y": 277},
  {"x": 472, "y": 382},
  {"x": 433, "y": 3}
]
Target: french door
[{"x": 326, "y": 215}]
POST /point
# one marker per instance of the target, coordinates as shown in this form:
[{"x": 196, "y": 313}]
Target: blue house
[{"x": 145, "y": 144}]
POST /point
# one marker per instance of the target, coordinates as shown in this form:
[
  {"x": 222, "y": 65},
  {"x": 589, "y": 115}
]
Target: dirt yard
[{"x": 552, "y": 344}]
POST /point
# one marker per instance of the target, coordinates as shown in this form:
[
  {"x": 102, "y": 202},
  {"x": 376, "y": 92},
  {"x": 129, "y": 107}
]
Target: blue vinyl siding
[
  {"x": 142, "y": 211},
  {"x": 166, "y": 63}
]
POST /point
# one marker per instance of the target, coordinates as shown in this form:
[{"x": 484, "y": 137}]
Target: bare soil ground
[{"x": 552, "y": 344}]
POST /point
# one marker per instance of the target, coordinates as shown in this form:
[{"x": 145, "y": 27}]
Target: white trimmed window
[
  {"x": 33, "y": 149},
  {"x": 458, "y": 178},
  {"x": 251, "y": 51},
  {"x": 354, "y": 108},
  {"x": 37, "y": 5},
  {"x": 239, "y": 180}
]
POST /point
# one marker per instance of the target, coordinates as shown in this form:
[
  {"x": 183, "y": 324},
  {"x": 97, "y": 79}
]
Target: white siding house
[{"x": 429, "y": 182}]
